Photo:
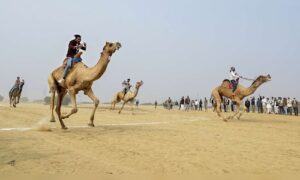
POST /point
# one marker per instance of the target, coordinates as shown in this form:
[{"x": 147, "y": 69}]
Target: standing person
[
  {"x": 200, "y": 105},
  {"x": 276, "y": 106},
  {"x": 253, "y": 104},
  {"x": 73, "y": 49},
  {"x": 264, "y": 104},
  {"x": 205, "y": 104},
  {"x": 192, "y": 106},
  {"x": 232, "y": 106},
  {"x": 284, "y": 105},
  {"x": 259, "y": 104},
  {"x": 273, "y": 104},
  {"x": 137, "y": 102},
  {"x": 247, "y": 104},
  {"x": 169, "y": 103},
  {"x": 196, "y": 104},
  {"x": 280, "y": 102},
  {"x": 187, "y": 103},
  {"x": 269, "y": 106},
  {"x": 155, "y": 104},
  {"x": 295, "y": 106},
  {"x": 289, "y": 106},
  {"x": 181, "y": 103}
]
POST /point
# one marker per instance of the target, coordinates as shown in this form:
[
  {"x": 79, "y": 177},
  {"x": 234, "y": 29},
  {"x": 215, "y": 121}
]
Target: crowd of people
[
  {"x": 186, "y": 104},
  {"x": 273, "y": 105}
]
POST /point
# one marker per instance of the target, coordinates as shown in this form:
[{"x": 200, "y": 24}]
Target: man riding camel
[
  {"x": 74, "y": 47},
  {"x": 126, "y": 85},
  {"x": 234, "y": 78},
  {"x": 16, "y": 85}
]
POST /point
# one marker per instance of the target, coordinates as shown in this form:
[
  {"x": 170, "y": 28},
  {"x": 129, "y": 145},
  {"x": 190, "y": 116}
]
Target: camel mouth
[
  {"x": 118, "y": 46},
  {"x": 269, "y": 78}
]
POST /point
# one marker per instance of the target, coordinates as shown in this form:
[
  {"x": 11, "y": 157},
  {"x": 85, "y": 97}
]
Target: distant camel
[
  {"x": 237, "y": 97},
  {"x": 15, "y": 94},
  {"x": 79, "y": 78},
  {"x": 129, "y": 97}
]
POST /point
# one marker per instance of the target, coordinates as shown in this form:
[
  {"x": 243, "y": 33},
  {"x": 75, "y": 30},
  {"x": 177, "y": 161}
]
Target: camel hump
[
  {"x": 226, "y": 80},
  {"x": 226, "y": 83}
]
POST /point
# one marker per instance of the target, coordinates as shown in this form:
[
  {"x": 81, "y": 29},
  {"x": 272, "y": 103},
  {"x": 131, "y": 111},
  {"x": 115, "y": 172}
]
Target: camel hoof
[
  {"x": 119, "y": 112},
  {"x": 52, "y": 120},
  {"x": 64, "y": 128},
  {"x": 64, "y": 117},
  {"x": 91, "y": 124}
]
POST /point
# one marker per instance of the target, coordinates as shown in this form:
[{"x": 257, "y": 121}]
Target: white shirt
[
  {"x": 289, "y": 103},
  {"x": 264, "y": 101},
  {"x": 233, "y": 76}
]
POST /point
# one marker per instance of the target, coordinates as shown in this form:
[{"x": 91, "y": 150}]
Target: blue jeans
[
  {"x": 234, "y": 85},
  {"x": 70, "y": 61}
]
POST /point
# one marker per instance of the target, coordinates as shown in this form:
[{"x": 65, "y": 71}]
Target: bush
[
  {"x": 24, "y": 99},
  {"x": 47, "y": 100},
  {"x": 1, "y": 98},
  {"x": 66, "y": 101}
]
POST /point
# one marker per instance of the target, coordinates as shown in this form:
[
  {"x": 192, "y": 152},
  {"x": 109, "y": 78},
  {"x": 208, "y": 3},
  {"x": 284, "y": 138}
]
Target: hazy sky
[{"x": 176, "y": 47}]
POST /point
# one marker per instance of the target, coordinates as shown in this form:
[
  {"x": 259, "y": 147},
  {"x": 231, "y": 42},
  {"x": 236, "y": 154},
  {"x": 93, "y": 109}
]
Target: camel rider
[
  {"x": 234, "y": 78},
  {"x": 17, "y": 85},
  {"x": 126, "y": 85},
  {"x": 21, "y": 85},
  {"x": 73, "y": 49}
]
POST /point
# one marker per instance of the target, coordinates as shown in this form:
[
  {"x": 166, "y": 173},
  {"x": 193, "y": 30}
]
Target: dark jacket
[{"x": 72, "y": 49}]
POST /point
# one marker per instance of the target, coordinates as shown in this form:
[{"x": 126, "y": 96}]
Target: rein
[{"x": 248, "y": 79}]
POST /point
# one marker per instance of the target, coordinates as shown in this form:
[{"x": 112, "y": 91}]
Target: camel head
[
  {"x": 139, "y": 84},
  {"x": 263, "y": 79},
  {"x": 111, "y": 48}
]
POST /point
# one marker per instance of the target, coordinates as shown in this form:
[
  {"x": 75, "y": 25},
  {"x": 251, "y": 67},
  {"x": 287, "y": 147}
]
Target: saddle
[{"x": 78, "y": 55}]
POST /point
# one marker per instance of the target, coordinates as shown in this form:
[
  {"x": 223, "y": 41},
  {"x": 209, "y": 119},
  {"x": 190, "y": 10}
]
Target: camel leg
[
  {"x": 10, "y": 101},
  {"x": 74, "y": 105},
  {"x": 14, "y": 102},
  {"x": 60, "y": 96},
  {"x": 52, "y": 98},
  {"x": 242, "y": 112},
  {"x": 217, "y": 105},
  {"x": 113, "y": 105},
  {"x": 91, "y": 95},
  {"x": 18, "y": 99},
  {"x": 238, "y": 104},
  {"x": 122, "y": 107},
  {"x": 132, "y": 107}
]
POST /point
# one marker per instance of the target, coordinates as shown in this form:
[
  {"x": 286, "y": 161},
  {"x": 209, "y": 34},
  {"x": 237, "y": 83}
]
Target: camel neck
[
  {"x": 136, "y": 91},
  {"x": 97, "y": 71},
  {"x": 253, "y": 88}
]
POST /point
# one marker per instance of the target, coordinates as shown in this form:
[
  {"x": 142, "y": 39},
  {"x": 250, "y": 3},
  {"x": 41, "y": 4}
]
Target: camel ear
[
  {"x": 106, "y": 43},
  {"x": 142, "y": 82}
]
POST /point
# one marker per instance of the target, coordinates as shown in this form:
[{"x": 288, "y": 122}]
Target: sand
[{"x": 151, "y": 141}]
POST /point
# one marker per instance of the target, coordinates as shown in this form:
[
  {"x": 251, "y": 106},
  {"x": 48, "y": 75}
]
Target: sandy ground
[{"x": 151, "y": 141}]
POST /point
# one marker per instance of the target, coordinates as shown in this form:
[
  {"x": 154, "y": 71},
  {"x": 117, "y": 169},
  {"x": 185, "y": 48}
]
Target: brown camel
[
  {"x": 237, "y": 97},
  {"x": 129, "y": 97},
  {"x": 80, "y": 77}
]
